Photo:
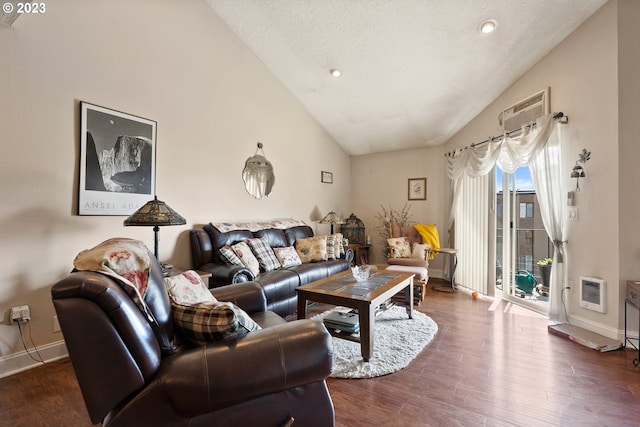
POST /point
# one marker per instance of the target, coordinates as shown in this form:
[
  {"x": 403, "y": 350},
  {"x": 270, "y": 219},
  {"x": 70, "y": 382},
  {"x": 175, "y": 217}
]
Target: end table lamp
[
  {"x": 155, "y": 213},
  {"x": 332, "y": 218}
]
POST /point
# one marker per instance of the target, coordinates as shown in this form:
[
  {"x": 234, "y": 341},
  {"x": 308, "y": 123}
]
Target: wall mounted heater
[{"x": 525, "y": 111}]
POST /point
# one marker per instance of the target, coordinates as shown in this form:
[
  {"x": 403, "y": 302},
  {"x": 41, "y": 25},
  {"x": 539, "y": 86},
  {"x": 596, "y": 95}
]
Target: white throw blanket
[
  {"x": 282, "y": 224},
  {"x": 126, "y": 260}
]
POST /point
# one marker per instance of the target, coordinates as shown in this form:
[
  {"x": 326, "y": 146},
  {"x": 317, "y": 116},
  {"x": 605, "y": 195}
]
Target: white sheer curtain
[
  {"x": 509, "y": 153},
  {"x": 547, "y": 179}
]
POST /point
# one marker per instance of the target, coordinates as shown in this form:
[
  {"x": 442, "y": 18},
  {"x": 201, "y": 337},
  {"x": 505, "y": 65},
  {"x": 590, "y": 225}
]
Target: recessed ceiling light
[
  {"x": 488, "y": 26},
  {"x": 335, "y": 72}
]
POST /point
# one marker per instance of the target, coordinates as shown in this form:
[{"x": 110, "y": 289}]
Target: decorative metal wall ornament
[
  {"x": 258, "y": 174},
  {"x": 578, "y": 171}
]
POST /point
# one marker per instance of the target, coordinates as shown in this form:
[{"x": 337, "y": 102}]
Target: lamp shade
[
  {"x": 331, "y": 218},
  {"x": 155, "y": 213}
]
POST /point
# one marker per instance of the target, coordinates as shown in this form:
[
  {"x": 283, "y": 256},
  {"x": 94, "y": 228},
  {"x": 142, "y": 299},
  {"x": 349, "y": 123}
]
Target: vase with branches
[{"x": 388, "y": 216}]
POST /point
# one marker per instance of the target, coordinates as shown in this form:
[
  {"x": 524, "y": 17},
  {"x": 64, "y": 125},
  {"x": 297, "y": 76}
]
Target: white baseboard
[
  {"x": 599, "y": 328},
  {"x": 18, "y": 362}
]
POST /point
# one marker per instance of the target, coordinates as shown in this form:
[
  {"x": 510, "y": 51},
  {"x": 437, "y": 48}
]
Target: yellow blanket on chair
[{"x": 429, "y": 234}]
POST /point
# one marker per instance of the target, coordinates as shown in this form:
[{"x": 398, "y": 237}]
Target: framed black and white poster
[{"x": 117, "y": 161}]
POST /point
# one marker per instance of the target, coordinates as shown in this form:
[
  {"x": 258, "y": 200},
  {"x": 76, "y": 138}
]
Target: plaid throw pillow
[
  {"x": 229, "y": 256},
  {"x": 213, "y": 321},
  {"x": 263, "y": 252}
]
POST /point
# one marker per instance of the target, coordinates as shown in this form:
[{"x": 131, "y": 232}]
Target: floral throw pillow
[
  {"x": 188, "y": 288},
  {"x": 312, "y": 249},
  {"x": 399, "y": 247},
  {"x": 287, "y": 256},
  {"x": 243, "y": 251}
]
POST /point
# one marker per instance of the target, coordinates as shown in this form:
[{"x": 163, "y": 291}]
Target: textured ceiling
[{"x": 414, "y": 72}]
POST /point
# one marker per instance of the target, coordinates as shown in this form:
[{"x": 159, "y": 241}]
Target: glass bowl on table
[{"x": 361, "y": 272}]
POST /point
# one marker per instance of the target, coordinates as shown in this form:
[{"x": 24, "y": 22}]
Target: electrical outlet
[
  {"x": 56, "y": 324},
  {"x": 20, "y": 313},
  {"x": 570, "y": 286}
]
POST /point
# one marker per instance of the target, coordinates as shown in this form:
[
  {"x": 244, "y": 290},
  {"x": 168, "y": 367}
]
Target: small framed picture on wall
[
  {"x": 417, "y": 188},
  {"x": 326, "y": 177}
]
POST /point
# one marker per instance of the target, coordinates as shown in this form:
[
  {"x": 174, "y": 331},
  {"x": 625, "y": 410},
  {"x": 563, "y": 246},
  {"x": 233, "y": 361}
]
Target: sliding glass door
[{"x": 521, "y": 241}]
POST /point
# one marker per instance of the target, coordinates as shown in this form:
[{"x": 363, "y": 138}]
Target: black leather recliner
[{"x": 133, "y": 372}]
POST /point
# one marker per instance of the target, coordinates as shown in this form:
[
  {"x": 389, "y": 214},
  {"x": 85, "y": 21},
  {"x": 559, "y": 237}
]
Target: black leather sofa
[{"x": 278, "y": 285}]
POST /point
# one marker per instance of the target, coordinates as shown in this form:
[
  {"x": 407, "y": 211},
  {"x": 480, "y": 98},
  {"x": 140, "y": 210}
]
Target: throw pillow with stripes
[
  {"x": 229, "y": 256},
  {"x": 263, "y": 252}
]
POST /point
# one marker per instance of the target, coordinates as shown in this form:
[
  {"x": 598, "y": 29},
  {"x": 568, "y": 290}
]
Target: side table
[
  {"x": 361, "y": 253},
  {"x": 453, "y": 264},
  {"x": 627, "y": 339}
]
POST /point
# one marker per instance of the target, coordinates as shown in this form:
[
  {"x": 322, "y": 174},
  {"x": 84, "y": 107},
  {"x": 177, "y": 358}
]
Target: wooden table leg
[
  {"x": 408, "y": 298},
  {"x": 302, "y": 306},
  {"x": 367, "y": 319}
]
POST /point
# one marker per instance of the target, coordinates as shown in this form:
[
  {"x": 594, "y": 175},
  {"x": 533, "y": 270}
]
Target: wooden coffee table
[{"x": 342, "y": 289}]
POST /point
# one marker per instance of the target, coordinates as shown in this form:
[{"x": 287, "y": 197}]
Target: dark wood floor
[{"x": 489, "y": 365}]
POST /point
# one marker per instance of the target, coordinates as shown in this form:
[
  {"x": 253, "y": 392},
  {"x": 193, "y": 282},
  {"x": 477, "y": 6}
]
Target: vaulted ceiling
[{"x": 414, "y": 72}]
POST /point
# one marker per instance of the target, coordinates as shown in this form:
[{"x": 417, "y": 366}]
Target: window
[
  {"x": 525, "y": 262},
  {"x": 527, "y": 237},
  {"x": 526, "y": 209}
]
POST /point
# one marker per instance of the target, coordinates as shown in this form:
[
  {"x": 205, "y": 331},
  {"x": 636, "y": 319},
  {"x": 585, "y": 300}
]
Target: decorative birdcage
[{"x": 353, "y": 230}]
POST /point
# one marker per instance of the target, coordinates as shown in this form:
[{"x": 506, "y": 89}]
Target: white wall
[
  {"x": 583, "y": 73},
  {"x": 382, "y": 180},
  {"x": 171, "y": 61},
  {"x": 629, "y": 149}
]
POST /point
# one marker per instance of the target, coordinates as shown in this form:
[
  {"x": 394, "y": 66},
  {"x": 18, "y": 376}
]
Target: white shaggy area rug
[{"x": 397, "y": 340}]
